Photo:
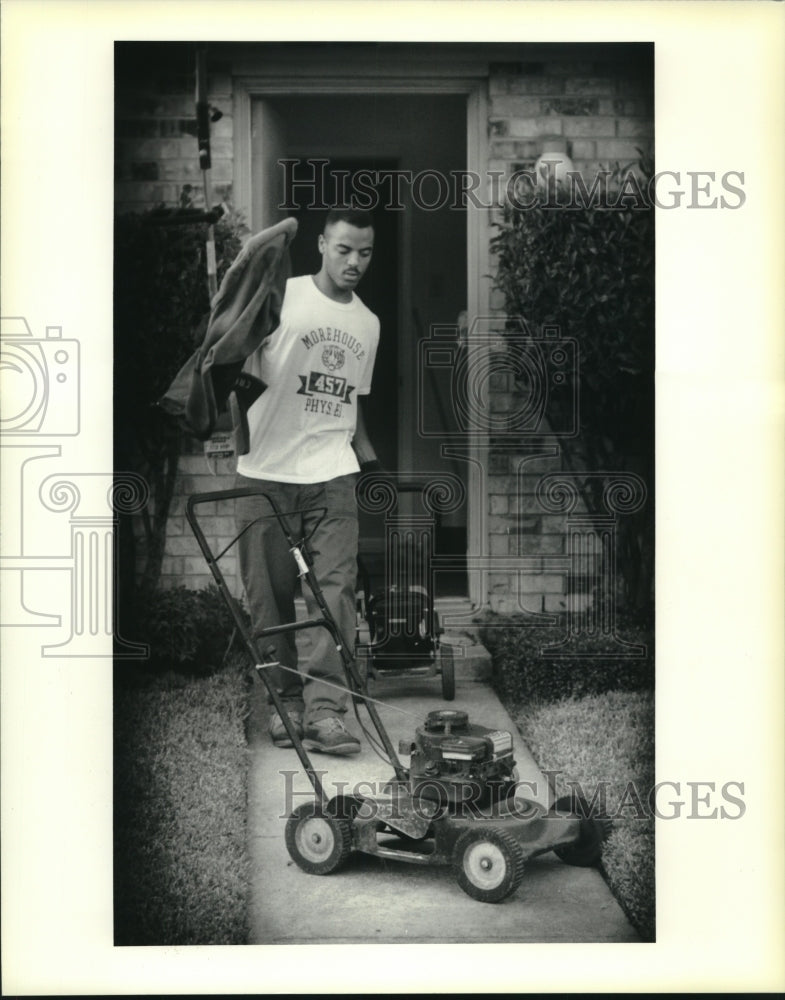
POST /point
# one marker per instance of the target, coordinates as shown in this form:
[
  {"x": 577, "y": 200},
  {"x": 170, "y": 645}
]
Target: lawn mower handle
[
  {"x": 355, "y": 683},
  {"x": 212, "y": 561}
]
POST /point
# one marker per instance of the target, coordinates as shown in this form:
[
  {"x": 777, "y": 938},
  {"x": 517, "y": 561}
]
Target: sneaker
[
  {"x": 278, "y": 731},
  {"x": 330, "y": 735}
]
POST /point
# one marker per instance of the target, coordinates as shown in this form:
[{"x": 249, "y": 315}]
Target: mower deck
[{"x": 486, "y": 849}]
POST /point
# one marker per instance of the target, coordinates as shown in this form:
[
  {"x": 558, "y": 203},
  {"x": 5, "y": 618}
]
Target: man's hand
[{"x": 363, "y": 448}]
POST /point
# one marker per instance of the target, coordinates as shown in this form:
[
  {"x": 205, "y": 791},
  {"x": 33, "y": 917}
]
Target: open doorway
[{"x": 418, "y": 278}]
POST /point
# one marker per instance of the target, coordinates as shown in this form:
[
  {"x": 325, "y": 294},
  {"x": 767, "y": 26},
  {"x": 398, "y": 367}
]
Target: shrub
[
  {"x": 522, "y": 672},
  {"x": 161, "y": 305},
  {"x": 186, "y": 630},
  {"x": 589, "y": 270}
]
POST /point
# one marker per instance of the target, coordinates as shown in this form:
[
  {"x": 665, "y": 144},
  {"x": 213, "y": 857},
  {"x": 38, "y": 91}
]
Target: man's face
[{"x": 346, "y": 253}]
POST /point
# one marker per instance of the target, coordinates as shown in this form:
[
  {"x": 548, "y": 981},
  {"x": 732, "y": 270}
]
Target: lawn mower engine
[{"x": 454, "y": 762}]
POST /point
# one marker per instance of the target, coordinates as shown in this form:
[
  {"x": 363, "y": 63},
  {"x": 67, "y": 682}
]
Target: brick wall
[
  {"x": 603, "y": 110},
  {"x": 156, "y": 150},
  {"x": 183, "y": 563}
]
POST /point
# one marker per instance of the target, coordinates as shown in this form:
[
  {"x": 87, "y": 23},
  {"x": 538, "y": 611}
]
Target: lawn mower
[
  {"x": 404, "y": 634},
  {"x": 456, "y": 804}
]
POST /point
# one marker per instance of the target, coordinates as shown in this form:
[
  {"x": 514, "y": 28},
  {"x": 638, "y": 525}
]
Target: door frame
[{"x": 247, "y": 88}]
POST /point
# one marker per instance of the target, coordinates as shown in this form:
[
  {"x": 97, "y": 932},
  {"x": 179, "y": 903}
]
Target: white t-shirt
[{"x": 315, "y": 364}]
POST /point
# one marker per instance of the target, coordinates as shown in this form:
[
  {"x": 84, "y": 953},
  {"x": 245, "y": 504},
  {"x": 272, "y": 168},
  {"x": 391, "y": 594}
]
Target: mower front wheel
[
  {"x": 317, "y": 841},
  {"x": 488, "y": 864}
]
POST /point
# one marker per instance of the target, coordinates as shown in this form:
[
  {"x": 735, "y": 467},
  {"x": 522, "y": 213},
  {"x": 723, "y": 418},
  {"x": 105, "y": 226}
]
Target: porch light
[{"x": 553, "y": 162}]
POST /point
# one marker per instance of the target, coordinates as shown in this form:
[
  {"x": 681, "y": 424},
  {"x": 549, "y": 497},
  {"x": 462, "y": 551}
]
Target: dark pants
[{"x": 269, "y": 573}]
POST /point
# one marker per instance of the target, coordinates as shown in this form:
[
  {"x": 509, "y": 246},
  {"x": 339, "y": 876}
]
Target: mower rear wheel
[
  {"x": 344, "y": 806},
  {"x": 448, "y": 672},
  {"x": 317, "y": 842},
  {"x": 586, "y": 851},
  {"x": 488, "y": 864}
]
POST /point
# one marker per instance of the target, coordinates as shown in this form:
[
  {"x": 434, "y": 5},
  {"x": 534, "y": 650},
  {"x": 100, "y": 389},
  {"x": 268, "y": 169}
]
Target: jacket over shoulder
[{"x": 245, "y": 310}]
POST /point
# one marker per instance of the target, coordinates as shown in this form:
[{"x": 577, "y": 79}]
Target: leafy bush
[
  {"x": 521, "y": 672},
  {"x": 161, "y": 297},
  {"x": 589, "y": 270},
  {"x": 186, "y": 630},
  {"x": 161, "y": 304}
]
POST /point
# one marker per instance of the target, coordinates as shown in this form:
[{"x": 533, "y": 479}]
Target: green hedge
[
  {"x": 523, "y": 672},
  {"x": 588, "y": 271},
  {"x": 161, "y": 306},
  {"x": 186, "y": 630}
]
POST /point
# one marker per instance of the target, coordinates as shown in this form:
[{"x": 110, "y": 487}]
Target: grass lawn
[
  {"x": 181, "y": 871},
  {"x": 605, "y": 743},
  {"x": 590, "y": 719}
]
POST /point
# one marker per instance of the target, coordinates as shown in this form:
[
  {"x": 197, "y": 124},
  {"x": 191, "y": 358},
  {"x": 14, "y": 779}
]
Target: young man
[{"x": 307, "y": 443}]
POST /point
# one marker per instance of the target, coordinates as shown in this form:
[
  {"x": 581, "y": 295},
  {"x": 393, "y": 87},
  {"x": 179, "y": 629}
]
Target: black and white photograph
[
  {"x": 388, "y": 497},
  {"x": 418, "y": 413}
]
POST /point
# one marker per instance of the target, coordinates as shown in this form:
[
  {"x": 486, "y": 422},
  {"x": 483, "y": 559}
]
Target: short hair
[{"x": 353, "y": 216}]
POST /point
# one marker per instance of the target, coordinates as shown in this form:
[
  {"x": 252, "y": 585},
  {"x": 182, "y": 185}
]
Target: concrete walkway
[{"x": 372, "y": 900}]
